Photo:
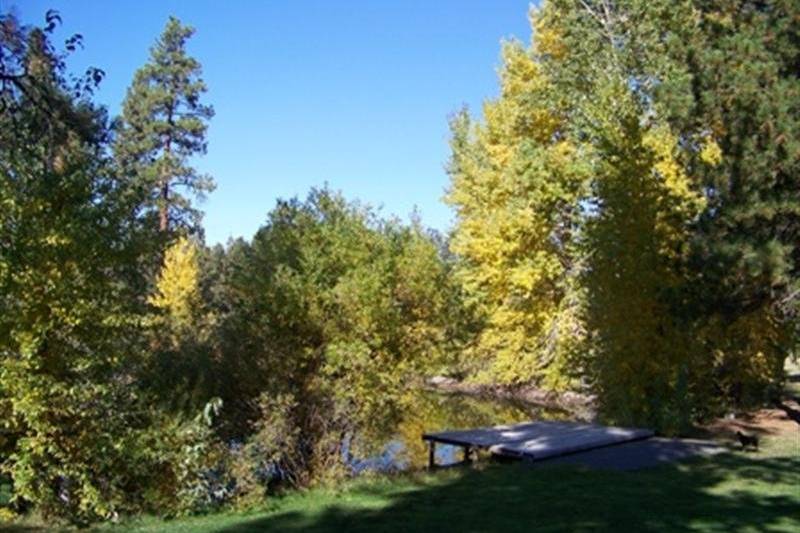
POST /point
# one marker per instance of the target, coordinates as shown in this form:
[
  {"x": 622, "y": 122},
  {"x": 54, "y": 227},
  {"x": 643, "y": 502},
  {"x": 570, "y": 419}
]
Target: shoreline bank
[{"x": 582, "y": 406}]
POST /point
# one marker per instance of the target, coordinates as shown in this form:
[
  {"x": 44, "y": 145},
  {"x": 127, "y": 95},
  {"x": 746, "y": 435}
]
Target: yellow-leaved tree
[
  {"x": 177, "y": 294},
  {"x": 516, "y": 185},
  {"x": 635, "y": 245},
  {"x": 575, "y": 203},
  {"x": 182, "y": 366}
]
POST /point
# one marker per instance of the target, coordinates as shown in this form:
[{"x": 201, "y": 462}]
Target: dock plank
[{"x": 540, "y": 440}]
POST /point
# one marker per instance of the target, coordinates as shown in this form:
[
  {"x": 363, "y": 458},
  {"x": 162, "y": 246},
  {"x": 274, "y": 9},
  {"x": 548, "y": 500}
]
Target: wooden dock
[{"x": 534, "y": 440}]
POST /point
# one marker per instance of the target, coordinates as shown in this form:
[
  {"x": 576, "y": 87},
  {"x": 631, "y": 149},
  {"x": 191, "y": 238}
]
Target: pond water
[{"x": 404, "y": 449}]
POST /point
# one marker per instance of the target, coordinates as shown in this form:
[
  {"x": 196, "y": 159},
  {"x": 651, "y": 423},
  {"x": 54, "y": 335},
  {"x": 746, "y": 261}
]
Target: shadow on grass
[{"x": 728, "y": 493}]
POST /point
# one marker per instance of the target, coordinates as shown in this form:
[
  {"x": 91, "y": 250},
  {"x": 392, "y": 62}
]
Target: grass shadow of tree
[{"x": 728, "y": 493}]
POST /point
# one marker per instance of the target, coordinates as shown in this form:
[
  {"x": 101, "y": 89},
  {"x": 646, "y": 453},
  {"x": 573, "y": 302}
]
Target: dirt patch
[{"x": 783, "y": 420}]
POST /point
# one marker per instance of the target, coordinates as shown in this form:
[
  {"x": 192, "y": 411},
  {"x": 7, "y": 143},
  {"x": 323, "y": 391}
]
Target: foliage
[
  {"x": 516, "y": 186},
  {"x": 177, "y": 295},
  {"x": 267, "y": 455},
  {"x": 607, "y": 205},
  {"x": 338, "y": 312},
  {"x": 163, "y": 125},
  {"x": 179, "y": 370},
  {"x": 67, "y": 316}
]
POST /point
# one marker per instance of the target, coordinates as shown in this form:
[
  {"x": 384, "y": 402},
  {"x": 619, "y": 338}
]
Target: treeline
[
  {"x": 144, "y": 371},
  {"x": 628, "y": 220},
  {"x": 629, "y": 206}
]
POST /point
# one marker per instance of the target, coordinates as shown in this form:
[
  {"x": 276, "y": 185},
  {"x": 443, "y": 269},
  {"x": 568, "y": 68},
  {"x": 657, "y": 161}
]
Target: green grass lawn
[{"x": 734, "y": 492}]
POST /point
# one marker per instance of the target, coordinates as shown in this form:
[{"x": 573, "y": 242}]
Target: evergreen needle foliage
[{"x": 163, "y": 124}]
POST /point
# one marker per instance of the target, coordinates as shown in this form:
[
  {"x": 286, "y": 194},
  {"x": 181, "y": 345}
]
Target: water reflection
[{"x": 402, "y": 448}]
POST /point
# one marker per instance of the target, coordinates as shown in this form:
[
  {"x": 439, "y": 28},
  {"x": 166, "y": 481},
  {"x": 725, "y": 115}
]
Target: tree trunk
[{"x": 163, "y": 224}]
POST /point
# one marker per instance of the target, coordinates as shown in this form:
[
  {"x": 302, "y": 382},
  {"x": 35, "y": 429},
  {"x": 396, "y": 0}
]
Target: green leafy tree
[
  {"x": 163, "y": 125},
  {"x": 332, "y": 314},
  {"x": 68, "y": 317}
]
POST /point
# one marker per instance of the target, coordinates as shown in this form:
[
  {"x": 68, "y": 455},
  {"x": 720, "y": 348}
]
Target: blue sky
[{"x": 355, "y": 94}]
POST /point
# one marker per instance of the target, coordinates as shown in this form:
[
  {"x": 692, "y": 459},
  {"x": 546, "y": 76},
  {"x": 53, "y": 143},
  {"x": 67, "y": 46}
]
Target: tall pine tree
[
  {"x": 746, "y": 84},
  {"x": 163, "y": 125}
]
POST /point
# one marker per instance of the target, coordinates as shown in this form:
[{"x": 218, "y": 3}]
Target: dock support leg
[
  {"x": 467, "y": 454},
  {"x": 431, "y": 454}
]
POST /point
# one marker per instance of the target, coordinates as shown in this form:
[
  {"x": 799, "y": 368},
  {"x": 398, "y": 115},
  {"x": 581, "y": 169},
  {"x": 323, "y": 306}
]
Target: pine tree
[
  {"x": 163, "y": 125},
  {"x": 746, "y": 294}
]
